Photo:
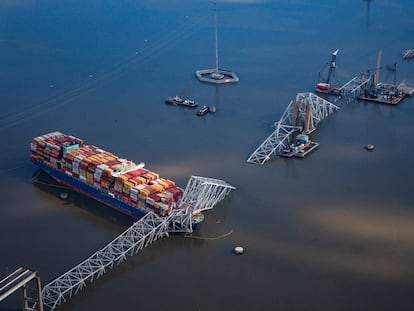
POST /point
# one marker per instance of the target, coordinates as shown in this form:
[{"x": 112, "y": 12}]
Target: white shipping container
[
  {"x": 169, "y": 194},
  {"x": 75, "y": 168}
]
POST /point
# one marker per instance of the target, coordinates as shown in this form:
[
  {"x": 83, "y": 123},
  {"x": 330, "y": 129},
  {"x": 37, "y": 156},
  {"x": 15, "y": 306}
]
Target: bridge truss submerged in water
[
  {"x": 201, "y": 194},
  {"x": 302, "y": 114}
]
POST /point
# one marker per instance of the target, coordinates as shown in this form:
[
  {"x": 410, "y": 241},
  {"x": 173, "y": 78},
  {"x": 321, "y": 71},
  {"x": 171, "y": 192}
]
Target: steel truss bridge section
[
  {"x": 274, "y": 144},
  {"x": 138, "y": 236},
  {"x": 321, "y": 108},
  {"x": 200, "y": 194},
  {"x": 288, "y": 124},
  {"x": 204, "y": 193},
  {"x": 31, "y": 284},
  {"x": 354, "y": 87}
]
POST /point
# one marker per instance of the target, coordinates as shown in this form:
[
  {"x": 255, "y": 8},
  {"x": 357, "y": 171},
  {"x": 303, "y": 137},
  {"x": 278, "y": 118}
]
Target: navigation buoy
[
  {"x": 63, "y": 195},
  {"x": 369, "y": 147},
  {"x": 238, "y": 250}
]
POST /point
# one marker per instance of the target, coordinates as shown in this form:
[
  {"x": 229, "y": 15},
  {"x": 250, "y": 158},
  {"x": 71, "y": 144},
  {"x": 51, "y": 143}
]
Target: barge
[{"x": 300, "y": 148}]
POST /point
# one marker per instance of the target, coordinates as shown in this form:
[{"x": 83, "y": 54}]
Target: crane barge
[{"x": 324, "y": 85}]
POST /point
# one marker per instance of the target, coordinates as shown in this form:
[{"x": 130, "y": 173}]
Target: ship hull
[
  {"x": 78, "y": 186},
  {"x": 114, "y": 203}
]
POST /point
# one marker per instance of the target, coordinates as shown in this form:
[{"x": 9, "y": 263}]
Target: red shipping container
[{"x": 155, "y": 196}]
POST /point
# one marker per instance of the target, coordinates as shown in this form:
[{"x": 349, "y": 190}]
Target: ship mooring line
[
  {"x": 190, "y": 236},
  {"x": 49, "y": 184}
]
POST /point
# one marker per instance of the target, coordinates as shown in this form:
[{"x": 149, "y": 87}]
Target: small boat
[
  {"x": 203, "y": 111},
  {"x": 178, "y": 101}
]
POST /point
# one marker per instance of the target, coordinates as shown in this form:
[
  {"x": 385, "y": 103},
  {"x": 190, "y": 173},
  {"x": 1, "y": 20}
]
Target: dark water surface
[{"x": 334, "y": 231}]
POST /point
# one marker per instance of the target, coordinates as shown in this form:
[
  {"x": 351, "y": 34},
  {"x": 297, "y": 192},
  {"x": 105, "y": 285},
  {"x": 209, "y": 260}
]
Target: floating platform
[
  {"x": 302, "y": 152},
  {"x": 385, "y": 93},
  {"x": 383, "y": 99},
  {"x": 217, "y": 76}
]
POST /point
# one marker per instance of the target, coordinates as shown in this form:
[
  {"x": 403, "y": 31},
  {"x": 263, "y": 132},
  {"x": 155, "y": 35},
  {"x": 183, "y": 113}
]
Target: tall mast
[{"x": 215, "y": 17}]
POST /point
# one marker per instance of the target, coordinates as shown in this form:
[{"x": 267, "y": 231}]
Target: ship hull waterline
[{"x": 75, "y": 185}]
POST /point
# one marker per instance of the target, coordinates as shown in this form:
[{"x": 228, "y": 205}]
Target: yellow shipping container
[
  {"x": 142, "y": 196},
  {"x": 141, "y": 180},
  {"x": 122, "y": 177},
  {"x": 118, "y": 186},
  {"x": 127, "y": 187},
  {"x": 109, "y": 170},
  {"x": 159, "y": 187},
  {"x": 105, "y": 184},
  {"x": 89, "y": 177},
  {"x": 151, "y": 175}
]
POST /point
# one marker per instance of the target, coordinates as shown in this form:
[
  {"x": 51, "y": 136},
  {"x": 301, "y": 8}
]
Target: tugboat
[
  {"x": 203, "y": 111},
  {"x": 178, "y": 101}
]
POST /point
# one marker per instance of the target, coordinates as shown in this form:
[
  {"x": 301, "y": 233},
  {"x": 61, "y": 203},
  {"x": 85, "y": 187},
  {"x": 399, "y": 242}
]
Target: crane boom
[
  {"x": 333, "y": 65},
  {"x": 376, "y": 78}
]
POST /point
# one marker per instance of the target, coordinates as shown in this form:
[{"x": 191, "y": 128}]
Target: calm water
[{"x": 332, "y": 232}]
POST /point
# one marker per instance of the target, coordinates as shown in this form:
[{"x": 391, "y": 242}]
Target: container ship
[{"x": 116, "y": 182}]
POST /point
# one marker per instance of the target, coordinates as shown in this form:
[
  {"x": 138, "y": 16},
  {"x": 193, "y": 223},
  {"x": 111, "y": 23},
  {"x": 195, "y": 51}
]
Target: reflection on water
[{"x": 329, "y": 232}]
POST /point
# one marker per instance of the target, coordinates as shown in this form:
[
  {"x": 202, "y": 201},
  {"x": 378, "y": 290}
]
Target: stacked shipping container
[{"x": 106, "y": 172}]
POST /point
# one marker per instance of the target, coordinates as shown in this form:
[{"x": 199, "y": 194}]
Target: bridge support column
[{"x": 32, "y": 296}]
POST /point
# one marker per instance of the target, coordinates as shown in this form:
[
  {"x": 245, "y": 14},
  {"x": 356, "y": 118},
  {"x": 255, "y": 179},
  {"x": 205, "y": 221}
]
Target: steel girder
[
  {"x": 200, "y": 194},
  {"x": 203, "y": 193},
  {"x": 278, "y": 140},
  {"x": 275, "y": 143},
  {"x": 180, "y": 220},
  {"x": 281, "y": 137},
  {"x": 139, "y": 235},
  {"x": 321, "y": 108},
  {"x": 355, "y": 86},
  {"x": 30, "y": 282}
]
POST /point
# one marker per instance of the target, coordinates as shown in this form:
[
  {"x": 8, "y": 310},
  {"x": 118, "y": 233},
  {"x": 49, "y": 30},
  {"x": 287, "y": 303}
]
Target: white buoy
[
  {"x": 63, "y": 195},
  {"x": 238, "y": 250},
  {"x": 369, "y": 147}
]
